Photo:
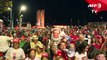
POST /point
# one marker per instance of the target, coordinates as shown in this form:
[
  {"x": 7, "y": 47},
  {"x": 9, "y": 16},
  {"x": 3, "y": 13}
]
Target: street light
[{"x": 23, "y": 8}]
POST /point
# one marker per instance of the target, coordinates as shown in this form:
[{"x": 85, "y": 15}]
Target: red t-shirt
[
  {"x": 61, "y": 53},
  {"x": 98, "y": 46}
]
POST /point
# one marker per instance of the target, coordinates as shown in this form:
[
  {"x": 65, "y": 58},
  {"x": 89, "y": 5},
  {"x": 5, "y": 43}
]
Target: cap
[
  {"x": 16, "y": 40},
  {"x": 98, "y": 36},
  {"x": 45, "y": 54},
  {"x": 35, "y": 37},
  {"x": 23, "y": 37}
]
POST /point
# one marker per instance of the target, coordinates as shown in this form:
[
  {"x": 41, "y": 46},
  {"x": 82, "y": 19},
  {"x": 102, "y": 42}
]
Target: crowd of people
[{"x": 88, "y": 42}]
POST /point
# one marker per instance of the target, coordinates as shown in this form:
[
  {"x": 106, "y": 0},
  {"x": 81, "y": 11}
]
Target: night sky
[{"x": 58, "y": 11}]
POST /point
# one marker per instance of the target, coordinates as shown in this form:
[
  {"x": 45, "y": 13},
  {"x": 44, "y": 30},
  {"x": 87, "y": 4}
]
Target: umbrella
[{"x": 97, "y": 5}]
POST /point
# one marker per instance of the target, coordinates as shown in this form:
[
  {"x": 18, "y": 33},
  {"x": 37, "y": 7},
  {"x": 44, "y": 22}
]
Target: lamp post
[
  {"x": 23, "y": 8},
  {"x": 20, "y": 22},
  {"x": 11, "y": 18}
]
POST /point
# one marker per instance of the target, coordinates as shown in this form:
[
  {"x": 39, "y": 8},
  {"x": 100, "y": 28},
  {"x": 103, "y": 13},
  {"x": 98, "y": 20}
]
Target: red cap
[
  {"x": 98, "y": 36},
  {"x": 16, "y": 40},
  {"x": 16, "y": 27},
  {"x": 23, "y": 37},
  {"x": 45, "y": 55}
]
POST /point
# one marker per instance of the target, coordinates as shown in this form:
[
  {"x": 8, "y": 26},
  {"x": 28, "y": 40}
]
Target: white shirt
[
  {"x": 4, "y": 44},
  {"x": 15, "y": 54},
  {"x": 80, "y": 56}
]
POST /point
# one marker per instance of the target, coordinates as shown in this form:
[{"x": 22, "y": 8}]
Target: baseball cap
[
  {"x": 16, "y": 40},
  {"x": 45, "y": 54}
]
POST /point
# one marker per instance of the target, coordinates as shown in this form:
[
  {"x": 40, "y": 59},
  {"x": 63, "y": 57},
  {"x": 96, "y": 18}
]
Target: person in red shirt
[
  {"x": 62, "y": 47},
  {"x": 55, "y": 52},
  {"x": 74, "y": 37},
  {"x": 99, "y": 42}
]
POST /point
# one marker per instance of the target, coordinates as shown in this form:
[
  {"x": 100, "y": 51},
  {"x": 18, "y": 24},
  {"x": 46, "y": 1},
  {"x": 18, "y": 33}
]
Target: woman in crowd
[
  {"x": 63, "y": 48},
  {"x": 99, "y": 42},
  {"x": 39, "y": 51},
  {"x": 32, "y": 56}
]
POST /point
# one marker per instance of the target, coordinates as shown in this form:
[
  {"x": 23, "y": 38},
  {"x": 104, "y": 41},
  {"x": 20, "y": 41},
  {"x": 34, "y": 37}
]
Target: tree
[{"x": 4, "y": 5}]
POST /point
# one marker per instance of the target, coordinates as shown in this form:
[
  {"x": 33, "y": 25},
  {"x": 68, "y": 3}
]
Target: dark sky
[{"x": 58, "y": 11}]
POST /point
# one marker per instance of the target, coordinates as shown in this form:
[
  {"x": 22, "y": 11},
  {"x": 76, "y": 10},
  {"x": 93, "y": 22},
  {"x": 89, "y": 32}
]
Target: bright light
[
  {"x": 9, "y": 8},
  {"x": 23, "y": 8}
]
